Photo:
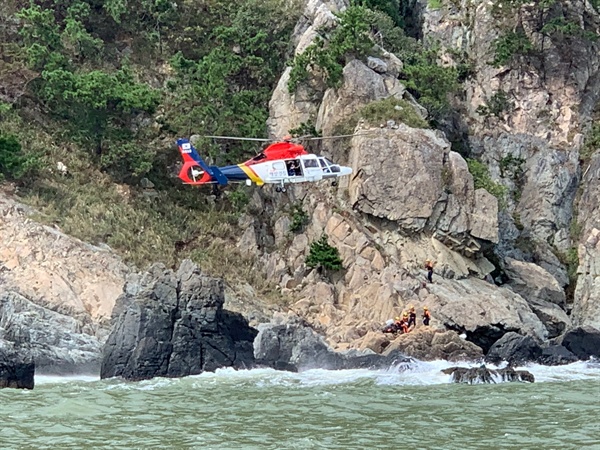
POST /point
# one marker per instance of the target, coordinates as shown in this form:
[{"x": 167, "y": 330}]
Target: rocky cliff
[
  {"x": 56, "y": 292},
  {"x": 411, "y": 197},
  {"x": 516, "y": 255}
]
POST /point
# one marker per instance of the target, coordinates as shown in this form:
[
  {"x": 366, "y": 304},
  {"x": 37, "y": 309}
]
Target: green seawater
[{"x": 264, "y": 409}]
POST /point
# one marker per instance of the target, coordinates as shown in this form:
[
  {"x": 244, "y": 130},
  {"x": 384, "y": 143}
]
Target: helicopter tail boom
[{"x": 195, "y": 170}]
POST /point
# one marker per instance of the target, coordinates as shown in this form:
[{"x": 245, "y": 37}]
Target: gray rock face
[
  {"x": 16, "y": 367},
  {"x": 515, "y": 349},
  {"x": 409, "y": 176},
  {"x": 173, "y": 325},
  {"x": 586, "y": 304},
  {"x": 288, "y": 344},
  {"x": 583, "y": 342},
  {"x": 556, "y": 355},
  {"x": 429, "y": 345},
  {"x": 484, "y": 312},
  {"x": 533, "y": 283},
  {"x": 52, "y": 339}
]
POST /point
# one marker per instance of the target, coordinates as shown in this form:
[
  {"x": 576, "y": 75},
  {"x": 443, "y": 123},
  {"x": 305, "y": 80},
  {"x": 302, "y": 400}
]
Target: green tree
[
  {"x": 13, "y": 163},
  {"x": 509, "y": 45},
  {"x": 391, "y": 8},
  {"x": 227, "y": 90},
  {"x": 349, "y": 40},
  {"x": 323, "y": 255}
]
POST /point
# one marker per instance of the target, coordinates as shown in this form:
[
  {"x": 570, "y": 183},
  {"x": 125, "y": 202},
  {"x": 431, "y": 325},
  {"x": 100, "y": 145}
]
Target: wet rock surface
[
  {"x": 483, "y": 375},
  {"x": 173, "y": 324},
  {"x": 17, "y": 368},
  {"x": 288, "y": 343}
]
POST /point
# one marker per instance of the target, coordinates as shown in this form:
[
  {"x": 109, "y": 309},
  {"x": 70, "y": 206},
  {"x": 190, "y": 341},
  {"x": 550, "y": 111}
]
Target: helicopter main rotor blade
[
  {"x": 319, "y": 138},
  {"x": 235, "y": 138}
]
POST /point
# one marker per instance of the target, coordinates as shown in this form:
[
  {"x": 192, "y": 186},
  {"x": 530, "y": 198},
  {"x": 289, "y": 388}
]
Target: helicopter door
[{"x": 312, "y": 169}]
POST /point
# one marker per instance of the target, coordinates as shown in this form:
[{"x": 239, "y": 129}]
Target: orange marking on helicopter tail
[{"x": 251, "y": 174}]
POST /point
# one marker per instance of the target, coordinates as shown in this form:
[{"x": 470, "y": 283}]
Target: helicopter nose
[{"x": 345, "y": 171}]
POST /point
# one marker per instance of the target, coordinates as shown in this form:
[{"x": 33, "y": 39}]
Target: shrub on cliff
[
  {"x": 13, "y": 163},
  {"x": 323, "y": 255}
]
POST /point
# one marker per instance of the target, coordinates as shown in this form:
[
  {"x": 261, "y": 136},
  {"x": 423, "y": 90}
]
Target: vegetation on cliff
[{"x": 106, "y": 87}]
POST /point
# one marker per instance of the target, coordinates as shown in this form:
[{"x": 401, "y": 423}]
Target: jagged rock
[
  {"x": 533, "y": 283},
  {"x": 429, "y": 345},
  {"x": 556, "y": 355},
  {"x": 377, "y": 65},
  {"x": 403, "y": 188},
  {"x": 483, "y": 375},
  {"x": 360, "y": 87},
  {"x": 515, "y": 349},
  {"x": 583, "y": 342},
  {"x": 173, "y": 324},
  {"x": 554, "y": 318},
  {"x": 409, "y": 176},
  {"x": 17, "y": 368},
  {"x": 586, "y": 307},
  {"x": 53, "y": 340},
  {"x": 483, "y": 311},
  {"x": 288, "y": 344},
  {"x": 484, "y": 220}
]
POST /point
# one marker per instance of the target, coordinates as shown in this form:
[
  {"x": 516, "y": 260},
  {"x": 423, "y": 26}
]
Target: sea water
[{"x": 415, "y": 408}]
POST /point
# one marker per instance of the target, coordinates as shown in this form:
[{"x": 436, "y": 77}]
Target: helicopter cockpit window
[
  {"x": 259, "y": 157},
  {"x": 310, "y": 163},
  {"x": 323, "y": 164}
]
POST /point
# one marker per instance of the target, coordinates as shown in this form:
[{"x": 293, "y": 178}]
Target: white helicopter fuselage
[{"x": 304, "y": 168}]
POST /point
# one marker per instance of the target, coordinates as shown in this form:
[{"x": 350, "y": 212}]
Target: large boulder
[
  {"x": 556, "y": 355},
  {"x": 173, "y": 324},
  {"x": 586, "y": 307},
  {"x": 54, "y": 340},
  {"x": 515, "y": 349},
  {"x": 288, "y": 343},
  {"x": 583, "y": 342},
  {"x": 409, "y": 176},
  {"x": 16, "y": 367},
  {"x": 483, "y": 311},
  {"x": 429, "y": 345},
  {"x": 533, "y": 283}
]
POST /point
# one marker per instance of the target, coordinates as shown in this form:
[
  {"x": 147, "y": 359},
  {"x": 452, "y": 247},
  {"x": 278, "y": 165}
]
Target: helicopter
[{"x": 282, "y": 162}]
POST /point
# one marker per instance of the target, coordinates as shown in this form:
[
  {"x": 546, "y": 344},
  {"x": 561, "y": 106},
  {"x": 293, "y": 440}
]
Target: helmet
[
  {"x": 397, "y": 318},
  {"x": 405, "y": 314},
  {"x": 425, "y": 308}
]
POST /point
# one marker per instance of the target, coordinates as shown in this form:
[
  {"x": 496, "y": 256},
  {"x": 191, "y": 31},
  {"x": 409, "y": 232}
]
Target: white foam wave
[
  {"x": 52, "y": 379},
  {"x": 419, "y": 373}
]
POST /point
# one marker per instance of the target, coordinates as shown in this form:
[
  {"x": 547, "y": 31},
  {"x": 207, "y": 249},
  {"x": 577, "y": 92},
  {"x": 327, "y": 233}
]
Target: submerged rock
[
  {"x": 173, "y": 325},
  {"x": 483, "y": 375},
  {"x": 16, "y": 367}
]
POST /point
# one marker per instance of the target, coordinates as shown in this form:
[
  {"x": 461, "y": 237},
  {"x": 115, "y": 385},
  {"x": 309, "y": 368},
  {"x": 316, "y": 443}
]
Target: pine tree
[{"x": 323, "y": 255}]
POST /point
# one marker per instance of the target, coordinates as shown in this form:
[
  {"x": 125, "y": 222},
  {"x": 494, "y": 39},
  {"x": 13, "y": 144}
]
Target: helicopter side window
[
  {"x": 310, "y": 163},
  {"x": 334, "y": 167}
]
